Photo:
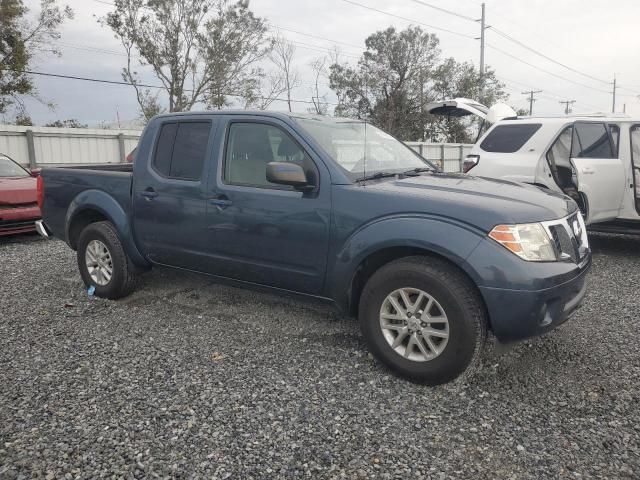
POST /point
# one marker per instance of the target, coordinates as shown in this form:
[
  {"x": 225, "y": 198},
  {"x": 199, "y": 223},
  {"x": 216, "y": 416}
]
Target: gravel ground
[{"x": 187, "y": 378}]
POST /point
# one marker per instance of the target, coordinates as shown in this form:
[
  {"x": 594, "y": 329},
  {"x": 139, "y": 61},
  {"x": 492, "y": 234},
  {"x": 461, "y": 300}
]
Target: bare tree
[
  {"x": 272, "y": 85},
  {"x": 199, "y": 50},
  {"x": 282, "y": 57},
  {"x": 320, "y": 105}
]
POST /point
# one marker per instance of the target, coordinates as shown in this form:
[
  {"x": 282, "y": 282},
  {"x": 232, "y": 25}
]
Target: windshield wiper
[
  {"x": 415, "y": 171},
  {"x": 375, "y": 176}
]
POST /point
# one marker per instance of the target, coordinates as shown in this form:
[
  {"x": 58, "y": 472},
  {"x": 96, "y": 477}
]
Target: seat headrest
[
  {"x": 253, "y": 143},
  {"x": 287, "y": 147}
]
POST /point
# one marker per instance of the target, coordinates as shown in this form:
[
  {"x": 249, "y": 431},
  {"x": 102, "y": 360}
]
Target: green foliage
[
  {"x": 398, "y": 74},
  {"x": 201, "y": 51},
  {"x": 21, "y": 39},
  {"x": 69, "y": 123}
]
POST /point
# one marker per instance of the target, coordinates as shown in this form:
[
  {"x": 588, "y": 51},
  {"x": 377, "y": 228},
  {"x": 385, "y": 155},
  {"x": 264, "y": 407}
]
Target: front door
[
  {"x": 599, "y": 172},
  {"x": 169, "y": 192},
  {"x": 262, "y": 232}
]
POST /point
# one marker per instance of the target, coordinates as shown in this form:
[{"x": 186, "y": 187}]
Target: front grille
[
  {"x": 569, "y": 237},
  {"x": 564, "y": 242},
  {"x": 11, "y": 224},
  {"x": 18, "y": 205}
]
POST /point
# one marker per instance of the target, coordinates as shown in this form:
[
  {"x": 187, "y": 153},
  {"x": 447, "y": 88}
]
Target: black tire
[
  {"x": 457, "y": 296},
  {"x": 124, "y": 276}
]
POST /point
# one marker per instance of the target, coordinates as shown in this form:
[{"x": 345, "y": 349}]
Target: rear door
[
  {"x": 600, "y": 174},
  {"x": 169, "y": 192}
]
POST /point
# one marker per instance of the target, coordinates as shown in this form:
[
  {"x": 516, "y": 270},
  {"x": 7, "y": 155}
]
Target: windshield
[
  {"x": 362, "y": 149},
  {"x": 9, "y": 168}
]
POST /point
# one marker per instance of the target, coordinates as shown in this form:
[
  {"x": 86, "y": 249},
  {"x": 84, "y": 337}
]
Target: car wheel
[
  {"x": 103, "y": 263},
  {"x": 424, "y": 319}
]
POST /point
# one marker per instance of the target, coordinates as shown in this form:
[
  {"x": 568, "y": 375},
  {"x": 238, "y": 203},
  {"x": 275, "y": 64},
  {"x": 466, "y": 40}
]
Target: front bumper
[
  {"x": 521, "y": 314},
  {"x": 18, "y": 220}
]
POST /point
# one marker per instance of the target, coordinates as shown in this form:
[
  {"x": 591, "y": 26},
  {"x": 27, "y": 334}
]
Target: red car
[{"x": 18, "y": 198}]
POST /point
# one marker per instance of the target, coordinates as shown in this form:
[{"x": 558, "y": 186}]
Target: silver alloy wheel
[
  {"x": 414, "y": 324},
  {"x": 99, "y": 263}
]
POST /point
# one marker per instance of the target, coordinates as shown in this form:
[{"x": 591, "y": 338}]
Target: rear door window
[
  {"x": 591, "y": 140},
  {"x": 181, "y": 149},
  {"x": 189, "y": 150},
  {"x": 164, "y": 148},
  {"x": 560, "y": 152},
  {"x": 509, "y": 138}
]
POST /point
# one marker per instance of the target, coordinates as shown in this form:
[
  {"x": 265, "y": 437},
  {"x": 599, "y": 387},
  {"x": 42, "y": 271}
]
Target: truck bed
[{"x": 83, "y": 183}]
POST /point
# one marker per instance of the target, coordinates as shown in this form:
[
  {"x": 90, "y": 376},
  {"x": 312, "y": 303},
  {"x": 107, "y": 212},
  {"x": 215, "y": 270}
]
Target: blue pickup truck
[{"x": 334, "y": 209}]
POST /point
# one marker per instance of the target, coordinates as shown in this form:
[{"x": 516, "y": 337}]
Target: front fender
[
  {"x": 443, "y": 236},
  {"x": 99, "y": 201}
]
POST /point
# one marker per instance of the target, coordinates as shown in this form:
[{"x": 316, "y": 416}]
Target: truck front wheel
[
  {"x": 103, "y": 263},
  {"x": 423, "y": 319}
]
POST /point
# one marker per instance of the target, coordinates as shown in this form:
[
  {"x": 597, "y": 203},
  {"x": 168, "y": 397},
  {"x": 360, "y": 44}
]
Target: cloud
[{"x": 598, "y": 38}]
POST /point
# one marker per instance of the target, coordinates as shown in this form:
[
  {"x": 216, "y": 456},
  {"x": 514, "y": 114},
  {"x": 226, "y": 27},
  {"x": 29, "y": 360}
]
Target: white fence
[
  {"x": 48, "y": 146},
  {"x": 448, "y": 156}
]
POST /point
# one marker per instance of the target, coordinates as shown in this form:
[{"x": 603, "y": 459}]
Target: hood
[
  {"x": 478, "y": 201},
  {"x": 18, "y": 190}
]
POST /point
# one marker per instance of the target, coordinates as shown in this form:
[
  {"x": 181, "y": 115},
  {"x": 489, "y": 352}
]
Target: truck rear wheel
[
  {"x": 423, "y": 319},
  {"x": 103, "y": 263}
]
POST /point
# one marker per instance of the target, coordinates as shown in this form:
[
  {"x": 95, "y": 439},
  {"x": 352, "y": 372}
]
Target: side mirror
[
  {"x": 35, "y": 172},
  {"x": 285, "y": 173}
]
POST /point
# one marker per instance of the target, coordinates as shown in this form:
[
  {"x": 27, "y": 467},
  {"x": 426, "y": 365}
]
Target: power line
[
  {"x": 318, "y": 37},
  {"x": 523, "y": 45},
  {"x": 545, "y": 71},
  {"x": 514, "y": 40},
  {"x": 450, "y": 12},
  {"x": 546, "y": 57},
  {"x": 159, "y": 87},
  {"x": 548, "y": 94},
  {"x": 411, "y": 20}
]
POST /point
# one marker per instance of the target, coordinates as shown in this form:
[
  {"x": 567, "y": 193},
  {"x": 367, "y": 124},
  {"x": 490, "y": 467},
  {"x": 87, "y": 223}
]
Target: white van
[{"x": 595, "y": 159}]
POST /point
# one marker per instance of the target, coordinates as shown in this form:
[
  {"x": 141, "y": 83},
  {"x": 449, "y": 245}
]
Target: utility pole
[
  {"x": 483, "y": 27},
  {"x": 613, "y": 108},
  {"x": 567, "y": 105},
  {"x": 531, "y": 99}
]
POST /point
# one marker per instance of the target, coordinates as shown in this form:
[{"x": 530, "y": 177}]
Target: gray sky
[{"x": 597, "y": 38}]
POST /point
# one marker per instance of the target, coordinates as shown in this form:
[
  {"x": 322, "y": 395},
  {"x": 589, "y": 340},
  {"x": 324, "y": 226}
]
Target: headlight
[{"x": 529, "y": 241}]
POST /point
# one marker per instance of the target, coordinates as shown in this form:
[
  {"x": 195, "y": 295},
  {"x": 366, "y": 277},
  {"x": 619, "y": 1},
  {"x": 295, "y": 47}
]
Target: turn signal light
[
  {"x": 529, "y": 241},
  {"x": 40, "y": 191}
]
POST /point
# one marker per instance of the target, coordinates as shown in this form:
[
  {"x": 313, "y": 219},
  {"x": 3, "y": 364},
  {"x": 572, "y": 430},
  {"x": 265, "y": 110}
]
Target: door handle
[
  {"x": 149, "y": 193},
  {"x": 588, "y": 170},
  {"x": 222, "y": 201}
]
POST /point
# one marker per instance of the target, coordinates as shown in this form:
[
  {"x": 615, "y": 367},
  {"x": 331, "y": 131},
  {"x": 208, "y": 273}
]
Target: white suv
[{"x": 595, "y": 159}]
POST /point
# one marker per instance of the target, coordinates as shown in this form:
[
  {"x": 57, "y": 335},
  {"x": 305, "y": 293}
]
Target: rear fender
[{"x": 103, "y": 203}]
